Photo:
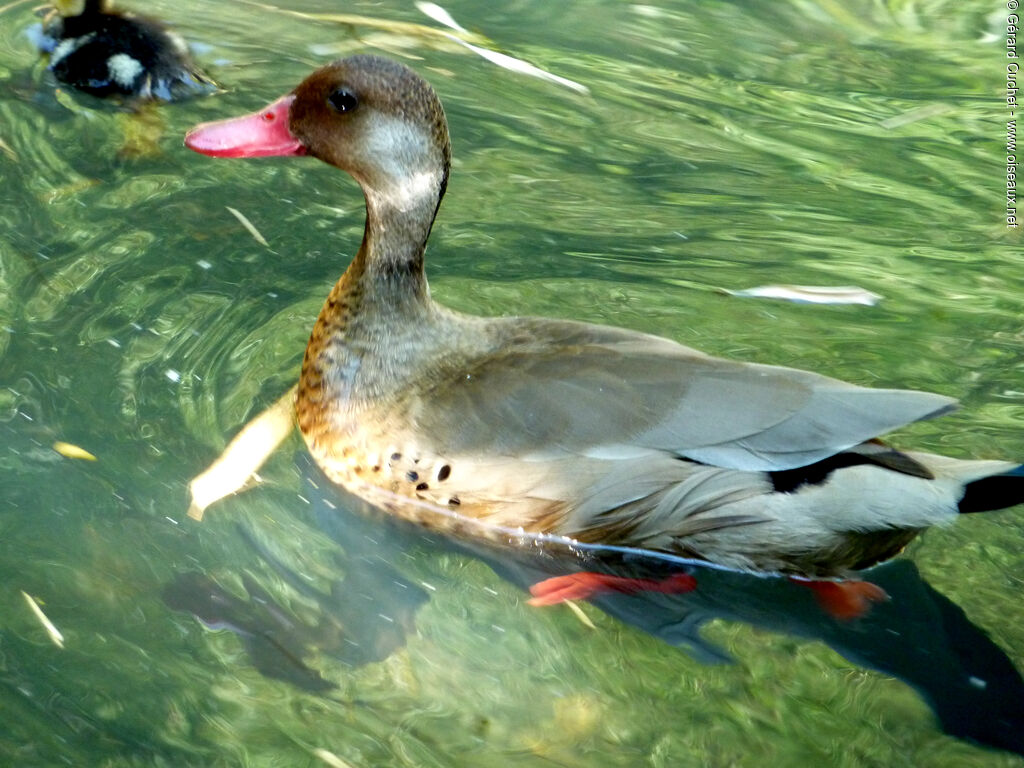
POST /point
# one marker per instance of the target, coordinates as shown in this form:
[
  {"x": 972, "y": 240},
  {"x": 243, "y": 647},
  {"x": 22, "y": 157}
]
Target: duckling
[
  {"x": 594, "y": 433},
  {"x": 104, "y": 52}
]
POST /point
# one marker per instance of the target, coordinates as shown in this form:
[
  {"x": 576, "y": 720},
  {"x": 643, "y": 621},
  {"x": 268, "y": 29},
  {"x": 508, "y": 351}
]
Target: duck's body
[
  {"x": 98, "y": 50},
  {"x": 591, "y": 432}
]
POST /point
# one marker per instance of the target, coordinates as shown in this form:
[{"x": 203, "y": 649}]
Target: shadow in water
[{"x": 918, "y": 636}]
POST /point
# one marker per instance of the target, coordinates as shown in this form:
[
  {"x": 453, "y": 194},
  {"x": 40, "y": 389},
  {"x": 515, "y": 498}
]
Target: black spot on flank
[
  {"x": 422, "y": 487},
  {"x": 454, "y": 501},
  {"x": 444, "y": 472},
  {"x": 412, "y": 476}
]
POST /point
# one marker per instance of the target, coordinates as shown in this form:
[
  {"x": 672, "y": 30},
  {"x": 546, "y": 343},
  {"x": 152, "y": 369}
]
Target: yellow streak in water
[
  {"x": 8, "y": 150},
  {"x": 71, "y": 451},
  {"x": 574, "y": 607},
  {"x": 244, "y": 455},
  {"x": 55, "y": 635},
  {"x": 331, "y": 759},
  {"x": 15, "y": 4}
]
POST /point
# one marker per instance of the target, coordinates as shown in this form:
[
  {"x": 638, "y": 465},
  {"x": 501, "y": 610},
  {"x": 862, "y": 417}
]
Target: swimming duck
[
  {"x": 105, "y": 52},
  {"x": 596, "y": 433}
]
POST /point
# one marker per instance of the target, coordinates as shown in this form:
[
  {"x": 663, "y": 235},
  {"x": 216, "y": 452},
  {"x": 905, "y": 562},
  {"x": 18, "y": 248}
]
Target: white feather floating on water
[
  {"x": 578, "y": 612},
  {"x": 51, "y": 630},
  {"x": 331, "y": 759},
  {"x": 915, "y": 115},
  {"x": 812, "y": 294},
  {"x": 249, "y": 226},
  {"x": 518, "y": 65},
  {"x": 440, "y": 15}
]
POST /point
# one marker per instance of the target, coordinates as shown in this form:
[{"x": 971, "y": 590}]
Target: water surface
[{"x": 721, "y": 146}]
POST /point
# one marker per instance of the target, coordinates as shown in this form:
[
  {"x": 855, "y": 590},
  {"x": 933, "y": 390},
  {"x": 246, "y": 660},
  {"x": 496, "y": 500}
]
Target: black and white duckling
[{"x": 104, "y": 52}]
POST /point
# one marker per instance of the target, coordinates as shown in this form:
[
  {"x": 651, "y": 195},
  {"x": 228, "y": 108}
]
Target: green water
[{"x": 721, "y": 146}]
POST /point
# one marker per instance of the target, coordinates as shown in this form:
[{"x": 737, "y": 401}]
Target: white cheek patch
[
  {"x": 123, "y": 69},
  {"x": 406, "y": 164},
  {"x": 67, "y": 47},
  {"x": 410, "y": 191}
]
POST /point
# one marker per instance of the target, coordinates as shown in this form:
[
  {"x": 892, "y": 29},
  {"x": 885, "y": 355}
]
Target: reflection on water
[
  {"x": 721, "y": 147},
  {"x": 917, "y": 635}
]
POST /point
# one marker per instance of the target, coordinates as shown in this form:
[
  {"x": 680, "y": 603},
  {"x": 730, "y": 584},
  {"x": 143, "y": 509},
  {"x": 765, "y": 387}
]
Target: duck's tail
[
  {"x": 980, "y": 486},
  {"x": 998, "y": 491}
]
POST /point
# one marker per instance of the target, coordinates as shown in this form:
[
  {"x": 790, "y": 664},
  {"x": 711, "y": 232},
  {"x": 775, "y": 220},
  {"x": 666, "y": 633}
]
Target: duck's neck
[
  {"x": 403, "y": 171},
  {"x": 371, "y": 325},
  {"x": 388, "y": 270},
  {"x": 385, "y": 286}
]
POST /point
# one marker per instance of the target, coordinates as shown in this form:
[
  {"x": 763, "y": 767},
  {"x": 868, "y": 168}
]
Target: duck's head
[
  {"x": 68, "y": 8},
  {"x": 372, "y": 117}
]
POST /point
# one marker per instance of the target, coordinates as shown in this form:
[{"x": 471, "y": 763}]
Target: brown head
[
  {"x": 68, "y": 8},
  {"x": 370, "y": 116}
]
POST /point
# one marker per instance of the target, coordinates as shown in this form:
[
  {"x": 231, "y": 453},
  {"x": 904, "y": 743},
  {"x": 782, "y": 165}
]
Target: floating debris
[
  {"x": 440, "y": 15},
  {"x": 67, "y": 101},
  {"x": 331, "y": 759},
  {"x": 55, "y": 635},
  {"x": 812, "y": 294},
  {"x": 915, "y": 115},
  {"x": 71, "y": 451},
  {"x": 354, "y": 20},
  {"x": 518, "y": 65},
  {"x": 575, "y": 608},
  {"x": 238, "y": 464},
  {"x": 13, "y": 4},
  {"x": 249, "y": 226},
  {"x": 68, "y": 190},
  {"x": 458, "y": 35},
  {"x": 9, "y": 151}
]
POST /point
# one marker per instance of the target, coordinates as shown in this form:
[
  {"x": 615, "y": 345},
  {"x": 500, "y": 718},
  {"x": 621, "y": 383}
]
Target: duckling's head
[
  {"x": 68, "y": 8},
  {"x": 370, "y": 116}
]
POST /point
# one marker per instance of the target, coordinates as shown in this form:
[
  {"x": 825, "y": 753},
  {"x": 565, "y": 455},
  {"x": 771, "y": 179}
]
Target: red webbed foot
[
  {"x": 583, "y": 585},
  {"x": 845, "y": 600}
]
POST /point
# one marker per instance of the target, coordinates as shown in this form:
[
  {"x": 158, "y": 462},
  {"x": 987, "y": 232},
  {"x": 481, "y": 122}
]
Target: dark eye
[{"x": 343, "y": 100}]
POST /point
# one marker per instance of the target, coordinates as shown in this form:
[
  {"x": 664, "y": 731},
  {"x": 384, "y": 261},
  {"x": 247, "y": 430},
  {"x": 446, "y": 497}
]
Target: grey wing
[{"x": 560, "y": 388}]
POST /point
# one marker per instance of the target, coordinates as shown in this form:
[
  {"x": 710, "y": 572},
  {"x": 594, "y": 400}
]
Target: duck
[
  {"x": 104, "y": 52},
  {"x": 591, "y": 433}
]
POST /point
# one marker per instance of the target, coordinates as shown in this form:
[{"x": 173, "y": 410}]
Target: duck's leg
[
  {"x": 584, "y": 585},
  {"x": 141, "y": 131},
  {"x": 244, "y": 455},
  {"x": 844, "y": 600}
]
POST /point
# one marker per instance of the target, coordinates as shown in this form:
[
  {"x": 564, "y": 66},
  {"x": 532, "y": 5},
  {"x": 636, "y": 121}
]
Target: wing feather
[{"x": 555, "y": 387}]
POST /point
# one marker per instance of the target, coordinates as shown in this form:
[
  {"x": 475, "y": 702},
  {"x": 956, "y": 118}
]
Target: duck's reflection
[{"x": 918, "y": 635}]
